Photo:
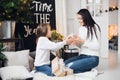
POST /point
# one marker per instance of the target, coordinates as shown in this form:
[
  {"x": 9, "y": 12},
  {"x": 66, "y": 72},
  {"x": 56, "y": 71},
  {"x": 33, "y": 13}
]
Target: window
[{"x": 95, "y": 7}]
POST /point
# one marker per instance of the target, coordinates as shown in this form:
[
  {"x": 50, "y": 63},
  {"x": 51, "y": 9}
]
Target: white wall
[
  {"x": 113, "y": 17},
  {"x": 113, "y": 2},
  {"x": 103, "y": 22},
  {"x": 61, "y": 16},
  {"x": 66, "y": 17},
  {"x": 72, "y": 7}
]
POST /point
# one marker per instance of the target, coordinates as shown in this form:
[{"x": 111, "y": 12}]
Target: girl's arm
[
  {"x": 55, "y": 46},
  {"x": 49, "y": 45}
]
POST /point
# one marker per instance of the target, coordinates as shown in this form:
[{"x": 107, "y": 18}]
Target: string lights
[{"x": 113, "y": 8}]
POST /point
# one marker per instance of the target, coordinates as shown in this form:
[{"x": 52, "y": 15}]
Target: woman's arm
[
  {"x": 91, "y": 44},
  {"x": 78, "y": 41}
]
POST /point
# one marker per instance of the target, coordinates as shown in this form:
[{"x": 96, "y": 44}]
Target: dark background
[{"x": 29, "y": 42}]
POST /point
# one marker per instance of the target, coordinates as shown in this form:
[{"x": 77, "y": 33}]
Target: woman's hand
[
  {"x": 77, "y": 40},
  {"x": 69, "y": 40}
]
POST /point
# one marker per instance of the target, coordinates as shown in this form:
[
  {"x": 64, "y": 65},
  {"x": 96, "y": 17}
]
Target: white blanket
[
  {"x": 39, "y": 76},
  {"x": 80, "y": 76}
]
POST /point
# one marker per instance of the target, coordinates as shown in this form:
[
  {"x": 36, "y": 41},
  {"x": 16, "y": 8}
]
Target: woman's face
[
  {"x": 80, "y": 19},
  {"x": 49, "y": 31}
]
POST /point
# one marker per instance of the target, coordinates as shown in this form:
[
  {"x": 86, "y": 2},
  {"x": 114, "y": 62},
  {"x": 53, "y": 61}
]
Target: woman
[
  {"x": 88, "y": 42},
  {"x": 44, "y": 46}
]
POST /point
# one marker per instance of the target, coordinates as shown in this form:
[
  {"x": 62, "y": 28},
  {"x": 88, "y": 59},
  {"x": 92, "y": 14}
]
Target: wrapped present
[
  {"x": 69, "y": 71},
  {"x": 59, "y": 69}
]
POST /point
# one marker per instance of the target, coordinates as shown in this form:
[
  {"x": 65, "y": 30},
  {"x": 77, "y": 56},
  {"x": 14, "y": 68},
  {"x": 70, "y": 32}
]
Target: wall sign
[{"x": 43, "y": 12}]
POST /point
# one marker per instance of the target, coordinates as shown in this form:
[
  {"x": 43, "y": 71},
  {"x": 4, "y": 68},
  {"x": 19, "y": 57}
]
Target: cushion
[
  {"x": 18, "y": 58},
  {"x": 31, "y": 63},
  {"x": 14, "y": 73}
]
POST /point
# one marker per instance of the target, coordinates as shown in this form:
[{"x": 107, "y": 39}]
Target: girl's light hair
[{"x": 42, "y": 29}]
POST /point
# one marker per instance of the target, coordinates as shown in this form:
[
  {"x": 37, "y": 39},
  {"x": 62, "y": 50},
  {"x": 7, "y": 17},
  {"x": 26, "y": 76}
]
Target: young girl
[{"x": 44, "y": 45}]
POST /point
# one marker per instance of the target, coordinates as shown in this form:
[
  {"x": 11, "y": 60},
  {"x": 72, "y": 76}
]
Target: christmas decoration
[
  {"x": 56, "y": 35},
  {"x": 16, "y": 10}
]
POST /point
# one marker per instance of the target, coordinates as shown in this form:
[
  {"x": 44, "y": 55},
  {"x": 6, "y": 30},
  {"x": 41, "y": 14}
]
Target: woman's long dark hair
[{"x": 89, "y": 22}]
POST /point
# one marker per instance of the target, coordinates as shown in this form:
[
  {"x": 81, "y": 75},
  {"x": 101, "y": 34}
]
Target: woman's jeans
[
  {"x": 46, "y": 69},
  {"x": 82, "y": 63}
]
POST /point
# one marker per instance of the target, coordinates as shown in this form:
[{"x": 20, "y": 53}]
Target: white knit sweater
[
  {"x": 90, "y": 47},
  {"x": 43, "y": 48}
]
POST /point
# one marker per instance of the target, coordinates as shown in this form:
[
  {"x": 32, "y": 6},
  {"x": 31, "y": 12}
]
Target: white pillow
[
  {"x": 14, "y": 73},
  {"x": 18, "y": 58}
]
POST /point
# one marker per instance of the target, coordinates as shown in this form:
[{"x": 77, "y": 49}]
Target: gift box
[
  {"x": 69, "y": 71},
  {"x": 59, "y": 69}
]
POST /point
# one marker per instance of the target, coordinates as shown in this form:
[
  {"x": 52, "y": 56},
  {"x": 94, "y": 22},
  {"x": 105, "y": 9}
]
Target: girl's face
[
  {"x": 48, "y": 32},
  {"x": 80, "y": 19}
]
